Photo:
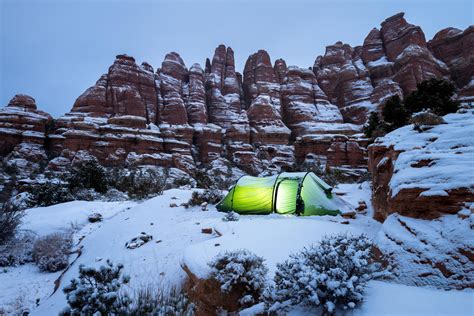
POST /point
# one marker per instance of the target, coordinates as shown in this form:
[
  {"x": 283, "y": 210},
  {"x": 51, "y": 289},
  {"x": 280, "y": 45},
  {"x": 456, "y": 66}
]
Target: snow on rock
[
  {"x": 424, "y": 174},
  {"x": 343, "y": 77},
  {"x": 21, "y": 123},
  {"x": 437, "y": 253}
]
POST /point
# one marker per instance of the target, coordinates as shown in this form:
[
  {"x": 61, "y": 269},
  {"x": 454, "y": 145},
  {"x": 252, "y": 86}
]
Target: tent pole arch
[
  {"x": 274, "y": 193},
  {"x": 298, "y": 193},
  {"x": 233, "y": 191}
]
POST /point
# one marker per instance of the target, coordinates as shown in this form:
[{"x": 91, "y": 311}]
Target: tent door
[{"x": 286, "y": 193}]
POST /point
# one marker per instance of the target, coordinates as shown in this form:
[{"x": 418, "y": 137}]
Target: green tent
[{"x": 301, "y": 193}]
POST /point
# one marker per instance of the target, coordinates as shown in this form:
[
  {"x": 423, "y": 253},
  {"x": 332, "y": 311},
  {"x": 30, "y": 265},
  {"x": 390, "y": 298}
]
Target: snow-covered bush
[
  {"x": 49, "y": 193},
  {"x": 230, "y": 217},
  {"x": 88, "y": 174},
  {"x": 51, "y": 252},
  {"x": 330, "y": 275},
  {"x": 138, "y": 183},
  {"x": 240, "y": 271},
  {"x": 86, "y": 194},
  {"x": 114, "y": 195},
  {"x": 210, "y": 177},
  {"x": 152, "y": 300},
  {"x": 207, "y": 196},
  {"x": 96, "y": 291},
  {"x": 10, "y": 219},
  {"x": 17, "y": 250}
]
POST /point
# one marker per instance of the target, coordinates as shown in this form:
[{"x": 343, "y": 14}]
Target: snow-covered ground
[{"x": 178, "y": 240}]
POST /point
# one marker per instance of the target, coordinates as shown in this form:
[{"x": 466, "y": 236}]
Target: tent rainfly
[{"x": 300, "y": 193}]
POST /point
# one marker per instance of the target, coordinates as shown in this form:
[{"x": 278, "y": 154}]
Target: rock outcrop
[
  {"x": 261, "y": 88},
  {"x": 345, "y": 80},
  {"x": 22, "y": 122},
  {"x": 456, "y": 49},
  {"x": 23, "y": 135},
  {"x": 415, "y": 173},
  {"x": 433, "y": 253}
]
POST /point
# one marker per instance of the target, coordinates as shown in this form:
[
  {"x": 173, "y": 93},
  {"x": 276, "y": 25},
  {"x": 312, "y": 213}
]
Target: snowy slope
[
  {"x": 178, "y": 231},
  {"x": 274, "y": 237}
]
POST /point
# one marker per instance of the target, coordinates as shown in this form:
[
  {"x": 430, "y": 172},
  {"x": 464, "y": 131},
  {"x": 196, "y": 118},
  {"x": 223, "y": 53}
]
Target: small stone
[
  {"x": 362, "y": 206},
  {"x": 138, "y": 241},
  {"x": 173, "y": 205},
  {"x": 206, "y": 230},
  {"x": 464, "y": 213},
  {"x": 349, "y": 214},
  {"x": 95, "y": 217}
]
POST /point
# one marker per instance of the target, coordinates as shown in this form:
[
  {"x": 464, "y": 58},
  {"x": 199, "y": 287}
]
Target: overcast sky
[{"x": 54, "y": 50}]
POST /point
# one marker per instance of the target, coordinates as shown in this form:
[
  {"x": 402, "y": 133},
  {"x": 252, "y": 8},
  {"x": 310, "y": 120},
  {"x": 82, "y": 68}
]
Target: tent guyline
[{"x": 300, "y": 193}]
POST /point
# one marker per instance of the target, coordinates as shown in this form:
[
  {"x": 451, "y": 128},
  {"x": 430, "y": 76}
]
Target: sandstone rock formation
[
  {"x": 264, "y": 120},
  {"x": 22, "y": 122},
  {"x": 456, "y": 49},
  {"x": 23, "y": 135},
  {"x": 414, "y": 174},
  {"x": 345, "y": 80}
]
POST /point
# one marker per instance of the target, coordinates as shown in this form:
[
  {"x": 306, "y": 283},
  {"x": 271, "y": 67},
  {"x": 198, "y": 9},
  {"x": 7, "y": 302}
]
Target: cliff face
[{"x": 264, "y": 119}]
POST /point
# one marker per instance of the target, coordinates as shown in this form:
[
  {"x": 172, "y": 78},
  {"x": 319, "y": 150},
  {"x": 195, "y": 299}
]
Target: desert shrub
[
  {"x": 203, "y": 180},
  {"x": 153, "y": 300},
  {"x": 49, "y": 193},
  {"x": 433, "y": 94},
  {"x": 10, "y": 220},
  {"x": 179, "y": 182},
  {"x": 17, "y": 250},
  {"x": 96, "y": 291},
  {"x": 331, "y": 176},
  {"x": 212, "y": 178},
  {"x": 230, "y": 217},
  {"x": 51, "y": 252},
  {"x": 330, "y": 275},
  {"x": 241, "y": 271},
  {"x": 373, "y": 124},
  {"x": 89, "y": 174},
  {"x": 206, "y": 196},
  {"x": 394, "y": 113},
  {"x": 138, "y": 183},
  {"x": 114, "y": 195}
]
